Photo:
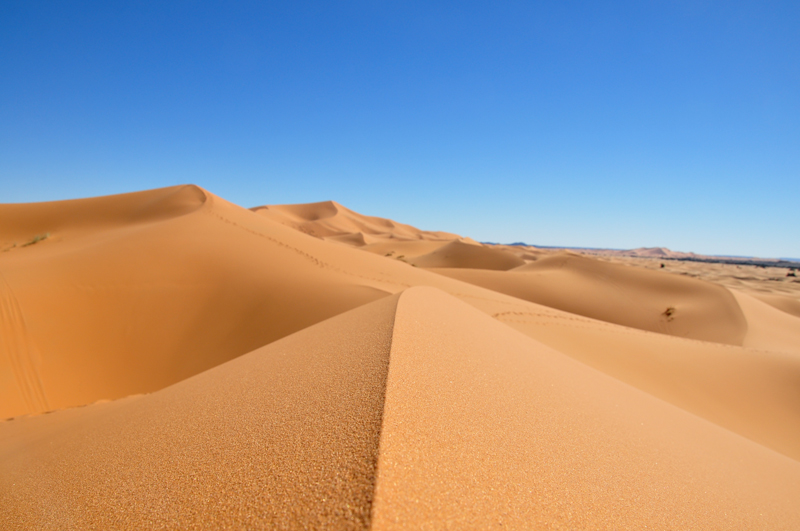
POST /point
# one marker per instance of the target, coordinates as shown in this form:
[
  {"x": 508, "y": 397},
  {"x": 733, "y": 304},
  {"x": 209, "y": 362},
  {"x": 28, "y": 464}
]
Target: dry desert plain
[{"x": 171, "y": 360}]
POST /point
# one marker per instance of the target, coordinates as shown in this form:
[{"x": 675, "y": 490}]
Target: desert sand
[{"x": 172, "y": 360}]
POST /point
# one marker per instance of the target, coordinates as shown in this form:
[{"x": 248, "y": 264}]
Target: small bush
[{"x": 37, "y": 239}]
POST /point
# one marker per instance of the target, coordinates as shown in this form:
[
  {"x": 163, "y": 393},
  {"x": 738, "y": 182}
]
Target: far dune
[
  {"x": 460, "y": 254},
  {"x": 404, "y": 249},
  {"x": 768, "y": 327},
  {"x": 624, "y": 295}
]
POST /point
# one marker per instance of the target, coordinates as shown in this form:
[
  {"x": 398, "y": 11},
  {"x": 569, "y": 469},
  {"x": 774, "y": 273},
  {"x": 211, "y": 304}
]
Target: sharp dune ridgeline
[{"x": 169, "y": 359}]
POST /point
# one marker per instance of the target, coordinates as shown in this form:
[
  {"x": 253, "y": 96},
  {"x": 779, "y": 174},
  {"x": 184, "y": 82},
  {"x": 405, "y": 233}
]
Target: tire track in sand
[{"x": 16, "y": 345}]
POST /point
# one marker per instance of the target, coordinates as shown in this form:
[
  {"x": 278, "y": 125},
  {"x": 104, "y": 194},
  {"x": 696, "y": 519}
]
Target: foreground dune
[
  {"x": 286, "y": 436},
  {"x": 484, "y": 427},
  {"x": 398, "y": 414},
  {"x": 277, "y": 375}
]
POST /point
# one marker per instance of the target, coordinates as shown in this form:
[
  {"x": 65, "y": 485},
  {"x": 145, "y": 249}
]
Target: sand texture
[{"x": 170, "y": 360}]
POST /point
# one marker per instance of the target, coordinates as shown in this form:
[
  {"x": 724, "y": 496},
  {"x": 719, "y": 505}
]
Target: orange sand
[{"x": 306, "y": 366}]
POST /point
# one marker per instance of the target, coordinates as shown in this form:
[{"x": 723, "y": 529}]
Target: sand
[
  {"x": 330, "y": 219},
  {"x": 486, "y": 428},
  {"x": 462, "y": 254},
  {"x": 635, "y": 297},
  {"x": 305, "y": 366},
  {"x": 283, "y": 437}
]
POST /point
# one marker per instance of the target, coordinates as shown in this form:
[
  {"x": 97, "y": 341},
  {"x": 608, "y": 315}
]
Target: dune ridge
[{"x": 330, "y": 219}]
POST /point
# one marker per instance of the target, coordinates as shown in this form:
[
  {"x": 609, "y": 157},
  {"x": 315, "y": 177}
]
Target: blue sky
[{"x": 608, "y": 124}]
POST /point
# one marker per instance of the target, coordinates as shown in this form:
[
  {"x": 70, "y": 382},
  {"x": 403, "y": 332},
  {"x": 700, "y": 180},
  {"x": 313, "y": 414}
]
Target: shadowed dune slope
[
  {"x": 329, "y": 218},
  {"x": 458, "y": 254},
  {"x": 283, "y": 437},
  {"x": 132, "y": 293},
  {"x": 769, "y": 327},
  {"x": 625, "y": 295},
  {"x": 485, "y": 428}
]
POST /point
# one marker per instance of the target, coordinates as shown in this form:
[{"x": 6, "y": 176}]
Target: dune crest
[{"x": 330, "y": 219}]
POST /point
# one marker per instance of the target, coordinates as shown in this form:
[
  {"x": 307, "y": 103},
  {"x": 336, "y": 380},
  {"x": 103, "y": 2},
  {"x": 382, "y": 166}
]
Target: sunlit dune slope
[
  {"x": 485, "y": 428},
  {"x": 459, "y": 254},
  {"x": 410, "y": 411},
  {"x": 329, "y": 218},
  {"x": 625, "y": 295}
]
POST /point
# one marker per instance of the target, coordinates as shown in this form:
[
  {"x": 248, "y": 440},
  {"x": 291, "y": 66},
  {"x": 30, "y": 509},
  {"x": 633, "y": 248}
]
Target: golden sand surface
[
  {"x": 486, "y": 428},
  {"x": 171, "y": 360}
]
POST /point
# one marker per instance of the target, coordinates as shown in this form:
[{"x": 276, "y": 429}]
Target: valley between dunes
[{"x": 169, "y": 359}]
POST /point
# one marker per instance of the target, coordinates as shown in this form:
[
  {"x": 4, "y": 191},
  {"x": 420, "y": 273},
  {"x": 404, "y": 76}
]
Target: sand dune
[
  {"x": 767, "y": 327},
  {"x": 462, "y": 254},
  {"x": 629, "y": 296},
  {"x": 329, "y": 218},
  {"x": 295, "y": 380},
  {"x": 393, "y": 415}
]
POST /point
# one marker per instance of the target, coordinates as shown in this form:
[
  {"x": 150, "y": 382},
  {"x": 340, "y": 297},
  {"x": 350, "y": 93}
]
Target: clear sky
[{"x": 606, "y": 124}]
